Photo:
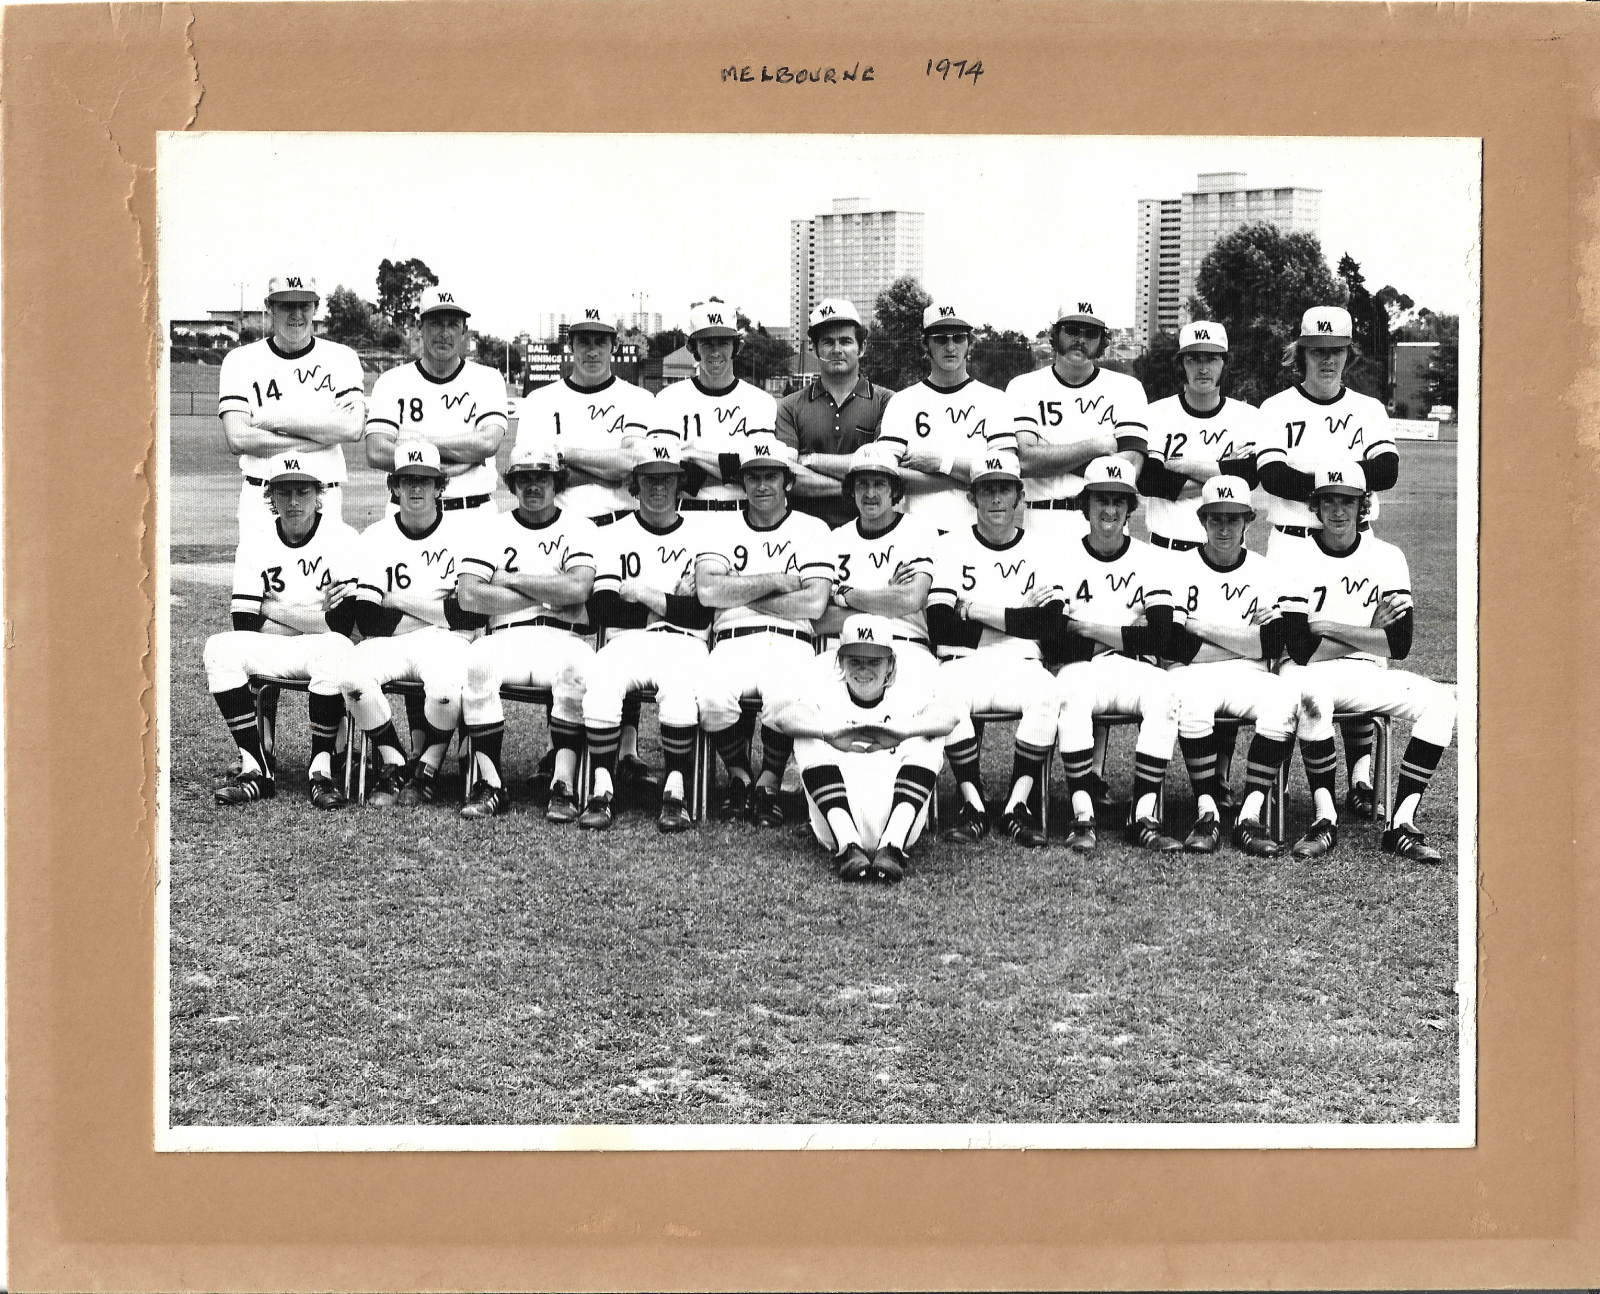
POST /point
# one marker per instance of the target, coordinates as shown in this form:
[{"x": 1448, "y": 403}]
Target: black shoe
[
  {"x": 1080, "y": 836},
  {"x": 386, "y": 784},
  {"x": 246, "y": 788},
  {"x": 1146, "y": 833},
  {"x": 597, "y": 815},
  {"x": 636, "y": 784},
  {"x": 853, "y": 863},
  {"x": 1409, "y": 843},
  {"x": 1106, "y": 805},
  {"x": 538, "y": 786},
  {"x": 763, "y": 809},
  {"x": 735, "y": 796},
  {"x": 561, "y": 807},
  {"x": 971, "y": 826},
  {"x": 326, "y": 793},
  {"x": 1250, "y": 837},
  {"x": 674, "y": 816},
  {"x": 486, "y": 802},
  {"x": 421, "y": 786},
  {"x": 1361, "y": 802},
  {"x": 1022, "y": 827},
  {"x": 1317, "y": 842},
  {"x": 1206, "y": 836},
  {"x": 888, "y": 864}
]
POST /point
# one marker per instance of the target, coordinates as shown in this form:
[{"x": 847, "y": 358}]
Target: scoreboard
[{"x": 544, "y": 362}]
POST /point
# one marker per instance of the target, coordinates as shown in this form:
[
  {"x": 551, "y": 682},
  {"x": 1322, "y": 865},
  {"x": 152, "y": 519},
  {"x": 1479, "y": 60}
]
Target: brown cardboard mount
[{"x": 93, "y": 1207}]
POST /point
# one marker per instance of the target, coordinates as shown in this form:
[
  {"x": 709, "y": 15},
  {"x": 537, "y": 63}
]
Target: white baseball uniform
[
  {"x": 754, "y": 653},
  {"x": 1307, "y": 432},
  {"x": 1002, "y": 673},
  {"x": 717, "y": 422},
  {"x": 1179, "y": 433},
  {"x": 662, "y": 654},
  {"x": 588, "y": 417},
  {"x": 541, "y": 645},
  {"x": 408, "y": 401},
  {"x": 260, "y": 377},
  {"x": 869, "y": 777},
  {"x": 961, "y": 422},
  {"x": 1116, "y": 590},
  {"x": 283, "y": 582},
  {"x": 1058, "y": 413}
]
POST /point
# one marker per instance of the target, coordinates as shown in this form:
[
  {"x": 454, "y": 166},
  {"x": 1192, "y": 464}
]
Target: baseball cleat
[
  {"x": 1409, "y": 843},
  {"x": 1361, "y": 802},
  {"x": 597, "y": 814},
  {"x": 971, "y": 826},
  {"x": 538, "y": 786},
  {"x": 888, "y": 863},
  {"x": 326, "y": 793},
  {"x": 635, "y": 781},
  {"x": 1206, "y": 836},
  {"x": 1317, "y": 842},
  {"x": 1022, "y": 827},
  {"x": 853, "y": 863},
  {"x": 1146, "y": 833},
  {"x": 674, "y": 816},
  {"x": 561, "y": 806},
  {"x": 421, "y": 785},
  {"x": 764, "y": 810},
  {"x": 246, "y": 788},
  {"x": 386, "y": 783},
  {"x": 1250, "y": 837},
  {"x": 735, "y": 797},
  {"x": 486, "y": 802},
  {"x": 1080, "y": 835}
]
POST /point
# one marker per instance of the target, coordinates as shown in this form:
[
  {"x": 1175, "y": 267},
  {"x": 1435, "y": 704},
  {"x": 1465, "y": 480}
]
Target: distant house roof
[{"x": 678, "y": 365}]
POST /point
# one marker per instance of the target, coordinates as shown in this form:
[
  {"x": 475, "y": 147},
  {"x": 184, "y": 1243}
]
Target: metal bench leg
[
  {"x": 697, "y": 776},
  {"x": 359, "y": 747},
  {"x": 1382, "y": 766},
  {"x": 1277, "y": 804}
]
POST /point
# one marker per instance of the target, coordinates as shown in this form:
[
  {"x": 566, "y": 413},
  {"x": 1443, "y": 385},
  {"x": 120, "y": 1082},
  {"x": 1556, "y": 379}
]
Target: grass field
[{"x": 409, "y": 967}]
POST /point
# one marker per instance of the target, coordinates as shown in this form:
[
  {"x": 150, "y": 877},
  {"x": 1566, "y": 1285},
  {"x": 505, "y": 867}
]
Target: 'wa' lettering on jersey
[
  {"x": 961, "y": 421},
  {"x": 1181, "y": 434},
  {"x": 555, "y": 547},
  {"x": 714, "y": 421},
  {"x": 1115, "y": 590},
  {"x": 968, "y": 567},
  {"x": 1223, "y": 596},
  {"x": 1344, "y": 587},
  {"x": 870, "y": 562},
  {"x": 414, "y": 572},
  {"x": 271, "y": 575},
  {"x": 259, "y": 378},
  {"x": 588, "y": 417},
  {"x": 1045, "y": 405},
  {"x": 799, "y": 544},
  {"x": 632, "y": 550},
  {"x": 410, "y": 401},
  {"x": 1306, "y": 432}
]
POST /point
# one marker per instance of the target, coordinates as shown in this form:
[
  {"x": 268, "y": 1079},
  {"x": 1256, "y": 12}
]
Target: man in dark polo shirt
[{"x": 834, "y": 416}]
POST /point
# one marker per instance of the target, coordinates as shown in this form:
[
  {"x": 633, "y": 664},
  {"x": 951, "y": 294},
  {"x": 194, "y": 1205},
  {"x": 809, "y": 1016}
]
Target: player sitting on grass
[
  {"x": 656, "y": 635},
  {"x": 869, "y": 741},
  {"x": 291, "y": 612},
  {"x": 1232, "y": 632},
  {"x": 995, "y": 591},
  {"x": 1354, "y": 592},
  {"x": 411, "y": 627}
]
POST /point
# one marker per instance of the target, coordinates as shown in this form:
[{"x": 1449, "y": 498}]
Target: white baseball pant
[
  {"x": 434, "y": 657},
  {"x": 670, "y": 662},
  {"x": 1060, "y": 525},
  {"x": 996, "y": 678},
  {"x": 1115, "y": 684},
  {"x": 1349, "y": 686},
  {"x": 232, "y": 657},
  {"x": 869, "y": 780},
  {"x": 1238, "y": 689},
  {"x": 527, "y": 656},
  {"x": 766, "y": 665}
]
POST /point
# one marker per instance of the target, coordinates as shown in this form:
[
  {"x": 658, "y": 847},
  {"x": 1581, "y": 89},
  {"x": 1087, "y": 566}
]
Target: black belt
[
  {"x": 1054, "y": 504},
  {"x": 708, "y": 505},
  {"x": 1300, "y": 532},
  {"x": 907, "y": 638},
  {"x": 662, "y": 627},
  {"x": 1178, "y": 545},
  {"x": 471, "y": 501},
  {"x": 326, "y": 485},
  {"x": 764, "y": 629},
  {"x": 551, "y": 621}
]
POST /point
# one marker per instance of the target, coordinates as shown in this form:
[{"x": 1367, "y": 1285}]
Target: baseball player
[
  {"x": 1230, "y": 634},
  {"x": 1074, "y": 411},
  {"x": 290, "y": 393},
  {"x": 869, "y": 741},
  {"x": 1353, "y": 591},
  {"x": 885, "y": 565},
  {"x": 995, "y": 592},
  {"x": 714, "y": 411},
  {"x": 292, "y": 616},
  {"x": 767, "y": 572},
  {"x": 530, "y": 572},
  {"x": 1320, "y": 420},
  {"x": 458, "y": 406},
  {"x": 411, "y": 625},
  {"x": 1118, "y": 608},
  {"x": 943, "y": 423},
  {"x": 657, "y": 633}
]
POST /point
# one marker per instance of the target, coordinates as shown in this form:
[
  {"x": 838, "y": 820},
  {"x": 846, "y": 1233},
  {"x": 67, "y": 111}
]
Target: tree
[
  {"x": 1444, "y": 369},
  {"x": 350, "y": 318},
  {"x": 1158, "y": 368},
  {"x": 762, "y": 355},
  {"x": 400, "y": 285},
  {"x": 894, "y": 351},
  {"x": 492, "y": 352},
  {"x": 997, "y": 357},
  {"x": 664, "y": 343},
  {"x": 1373, "y": 316},
  {"x": 1257, "y": 282}
]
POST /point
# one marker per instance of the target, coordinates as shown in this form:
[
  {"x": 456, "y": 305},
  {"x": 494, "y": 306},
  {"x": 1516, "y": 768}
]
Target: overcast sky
[{"x": 522, "y": 224}]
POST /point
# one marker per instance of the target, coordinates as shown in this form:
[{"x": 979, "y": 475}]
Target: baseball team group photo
[{"x": 756, "y": 668}]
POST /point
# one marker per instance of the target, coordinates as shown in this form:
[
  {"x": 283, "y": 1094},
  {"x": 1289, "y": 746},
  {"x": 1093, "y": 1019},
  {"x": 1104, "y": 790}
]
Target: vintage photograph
[{"x": 816, "y": 641}]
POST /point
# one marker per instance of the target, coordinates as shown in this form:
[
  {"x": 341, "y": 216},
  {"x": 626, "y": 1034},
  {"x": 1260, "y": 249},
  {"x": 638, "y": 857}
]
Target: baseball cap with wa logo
[
  {"x": 291, "y": 287},
  {"x": 589, "y": 319},
  {"x": 288, "y": 467},
  {"x": 866, "y": 635},
  {"x": 437, "y": 300},
  {"x": 1203, "y": 337},
  {"x": 711, "y": 319},
  {"x": 1326, "y": 325},
  {"x": 1226, "y": 494},
  {"x": 1339, "y": 478},
  {"x": 416, "y": 458}
]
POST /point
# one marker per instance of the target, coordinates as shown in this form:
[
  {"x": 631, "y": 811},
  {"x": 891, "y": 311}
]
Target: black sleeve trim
[
  {"x": 607, "y": 608},
  {"x": 342, "y": 619},
  {"x": 694, "y": 476},
  {"x": 1244, "y": 468},
  {"x": 1297, "y": 638},
  {"x": 1279, "y": 478},
  {"x": 728, "y": 466},
  {"x": 1033, "y": 622},
  {"x": 1381, "y": 471},
  {"x": 249, "y": 621},
  {"x": 947, "y": 629},
  {"x": 1182, "y": 646},
  {"x": 349, "y": 390},
  {"x": 1157, "y": 481},
  {"x": 1274, "y": 642},
  {"x": 687, "y": 612},
  {"x": 376, "y": 621},
  {"x": 1399, "y": 636},
  {"x": 458, "y": 618},
  {"x": 1150, "y": 638}
]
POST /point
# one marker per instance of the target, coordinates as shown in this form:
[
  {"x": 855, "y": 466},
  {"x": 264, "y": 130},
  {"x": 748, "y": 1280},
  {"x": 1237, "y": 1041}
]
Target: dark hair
[
  {"x": 694, "y": 346},
  {"x": 1083, "y": 498},
  {"x": 562, "y": 477},
  {"x": 1294, "y": 356},
  {"x": 922, "y": 337},
  {"x": 633, "y": 480},
  {"x": 1366, "y": 504},
  {"x": 897, "y": 488},
  {"x": 811, "y": 332},
  {"x": 1105, "y": 335},
  {"x": 266, "y": 493}
]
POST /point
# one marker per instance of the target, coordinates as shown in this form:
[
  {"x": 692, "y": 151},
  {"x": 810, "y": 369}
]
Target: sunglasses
[
  {"x": 947, "y": 338},
  {"x": 1087, "y": 331}
]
